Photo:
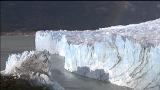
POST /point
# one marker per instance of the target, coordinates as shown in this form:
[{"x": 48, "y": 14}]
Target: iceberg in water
[
  {"x": 123, "y": 55},
  {"x": 33, "y": 66}
]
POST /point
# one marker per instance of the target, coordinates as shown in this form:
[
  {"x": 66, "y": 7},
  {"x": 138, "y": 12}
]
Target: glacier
[{"x": 123, "y": 55}]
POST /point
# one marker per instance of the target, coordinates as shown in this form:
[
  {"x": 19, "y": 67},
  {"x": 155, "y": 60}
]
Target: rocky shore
[{"x": 15, "y": 83}]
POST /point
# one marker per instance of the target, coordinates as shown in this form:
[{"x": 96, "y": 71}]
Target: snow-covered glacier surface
[{"x": 124, "y": 55}]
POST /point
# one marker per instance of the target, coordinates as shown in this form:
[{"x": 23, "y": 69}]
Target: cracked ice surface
[{"x": 124, "y": 55}]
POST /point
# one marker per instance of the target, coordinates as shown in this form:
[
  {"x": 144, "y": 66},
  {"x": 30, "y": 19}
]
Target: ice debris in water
[
  {"x": 34, "y": 66},
  {"x": 128, "y": 55}
]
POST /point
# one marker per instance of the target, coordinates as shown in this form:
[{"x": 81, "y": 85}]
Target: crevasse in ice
[{"x": 124, "y": 55}]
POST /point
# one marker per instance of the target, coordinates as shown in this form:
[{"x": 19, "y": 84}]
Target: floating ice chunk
[{"x": 34, "y": 66}]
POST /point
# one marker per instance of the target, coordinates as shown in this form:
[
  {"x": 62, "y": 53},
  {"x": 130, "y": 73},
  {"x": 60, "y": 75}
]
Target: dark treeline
[{"x": 74, "y": 15}]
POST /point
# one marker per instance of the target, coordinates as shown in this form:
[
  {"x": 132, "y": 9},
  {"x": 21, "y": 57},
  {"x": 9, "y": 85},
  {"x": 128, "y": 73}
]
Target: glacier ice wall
[{"x": 124, "y": 55}]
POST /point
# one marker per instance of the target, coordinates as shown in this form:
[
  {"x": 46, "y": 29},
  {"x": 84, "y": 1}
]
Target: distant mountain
[{"x": 28, "y": 16}]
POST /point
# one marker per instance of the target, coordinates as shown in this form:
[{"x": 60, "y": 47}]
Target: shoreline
[{"x": 18, "y": 33}]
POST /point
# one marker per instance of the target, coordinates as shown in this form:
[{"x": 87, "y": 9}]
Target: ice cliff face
[{"x": 124, "y": 55}]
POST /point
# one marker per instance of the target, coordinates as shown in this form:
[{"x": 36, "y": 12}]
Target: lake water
[{"x": 68, "y": 80}]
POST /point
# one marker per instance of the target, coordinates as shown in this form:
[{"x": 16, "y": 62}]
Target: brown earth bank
[{"x": 17, "y": 33}]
